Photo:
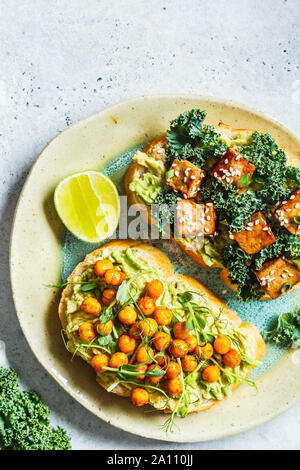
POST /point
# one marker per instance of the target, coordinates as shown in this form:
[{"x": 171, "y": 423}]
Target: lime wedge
[{"x": 88, "y": 204}]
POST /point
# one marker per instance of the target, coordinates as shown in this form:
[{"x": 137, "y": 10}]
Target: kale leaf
[
  {"x": 286, "y": 331},
  {"x": 231, "y": 208},
  {"x": 24, "y": 419},
  {"x": 286, "y": 244},
  {"x": 270, "y": 162},
  {"x": 293, "y": 174},
  {"x": 238, "y": 264},
  {"x": 188, "y": 139},
  {"x": 167, "y": 201}
]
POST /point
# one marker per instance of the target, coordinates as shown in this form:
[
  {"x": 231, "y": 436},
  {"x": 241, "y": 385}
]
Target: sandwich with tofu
[{"x": 236, "y": 195}]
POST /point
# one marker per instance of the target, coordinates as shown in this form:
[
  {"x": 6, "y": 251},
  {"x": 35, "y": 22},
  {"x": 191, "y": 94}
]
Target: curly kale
[
  {"x": 232, "y": 208},
  {"x": 238, "y": 264},
  {"x": 167, "y": 201},
  {"x": 286, "y": 331},
  {"x": 24, "y": 419},
  {"x": 286, "y": 244},
  {"x": 292, "y": 174},
  {"x": 270, "y": 162},
  {"x": 188, "y": 139}
]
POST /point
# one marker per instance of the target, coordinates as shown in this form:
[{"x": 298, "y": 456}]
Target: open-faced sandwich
[
  {"x": 153, "y": 335},
  {"x": 236, "y": 196}
]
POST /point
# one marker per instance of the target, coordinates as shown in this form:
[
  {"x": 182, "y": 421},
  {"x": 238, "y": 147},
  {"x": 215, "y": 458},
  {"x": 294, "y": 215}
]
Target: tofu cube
[
  {"x": 195, "y": 219},
  {"x": 287, "y": 211},
  {"x": 232, "y": 167},
  {"x": 185, "y": 177},
  {"x": 278, "y": 276},
  {"x": 256, "y": 236}
]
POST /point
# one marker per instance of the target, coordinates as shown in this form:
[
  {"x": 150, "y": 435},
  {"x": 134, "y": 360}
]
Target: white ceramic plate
[{"x": 35, "y": 260}]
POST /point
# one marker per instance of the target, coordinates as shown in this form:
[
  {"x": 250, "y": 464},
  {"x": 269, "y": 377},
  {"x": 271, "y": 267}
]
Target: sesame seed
[
  {"x": 292, "y": 196},
  {"x": 226, "y": 161},
  {"x": 267, "y": 228}
]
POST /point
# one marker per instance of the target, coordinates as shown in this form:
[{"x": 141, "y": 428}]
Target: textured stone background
[{"x": 61, "y": 61}]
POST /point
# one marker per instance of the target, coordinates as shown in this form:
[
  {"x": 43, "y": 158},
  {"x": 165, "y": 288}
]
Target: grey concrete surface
[{"x": 61, "y": 61}]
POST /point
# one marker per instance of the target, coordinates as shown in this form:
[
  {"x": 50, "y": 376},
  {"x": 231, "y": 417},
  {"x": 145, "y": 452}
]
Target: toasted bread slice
[
  {"x": 157, "y": 150},
  {"x": 255, "y": 344}
]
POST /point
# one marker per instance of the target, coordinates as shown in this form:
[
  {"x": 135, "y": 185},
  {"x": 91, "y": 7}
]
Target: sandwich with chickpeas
[
  {"x": 153, "y": 335},
  {"x": 232, "y": 197}
]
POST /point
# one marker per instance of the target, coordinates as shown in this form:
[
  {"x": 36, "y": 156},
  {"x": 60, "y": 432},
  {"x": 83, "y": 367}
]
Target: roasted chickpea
[
  {"x": 101, "y": 266},
  {"x": 113, "y": 277},
  {"x": 232, "y": 358},
  {"x": 86, "y": 331},
  {"x": 108, "y": 296},
  {"x": 189, "y": 363},
  {"x": 118, "y": 359},
  {"x": 155, "y": 380},
  {"x": 178, "y": 348},
  {"x": 181, "y": 331},
  {"x": 98, "y": 362},
  {"x": 127, "y": 315},
  {"x": 147, "y": 327},
  {"x": 147, "y": 305},
  {"x": 191, "y": 341},
  {"x": 211, "y": 374},
  {"x": 91, "y": 305},
  {"x": 222, "y": 344},
  {"x": 144, "y": 354},
  {"x": 161, "y": 340},
  {"x": 173, "y": 370},
  {"x": 206, "y": 351},
  {"x": 126, "y": 344},
  {"x": 155, "y": 288},
  {"x": 105, "y": 328},
  {"x": 174, "y": 386},
  {"x": 139, "y": 396},
  {"x": 141, "y": 368},
  {"x": 163, "y": 315},
  {"x": 134, "y": 331}
]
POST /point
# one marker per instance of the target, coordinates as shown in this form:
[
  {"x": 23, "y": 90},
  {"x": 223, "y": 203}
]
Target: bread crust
[
  {"x": 157, "y": 259},
  {"x": 136, "y": 171}
]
